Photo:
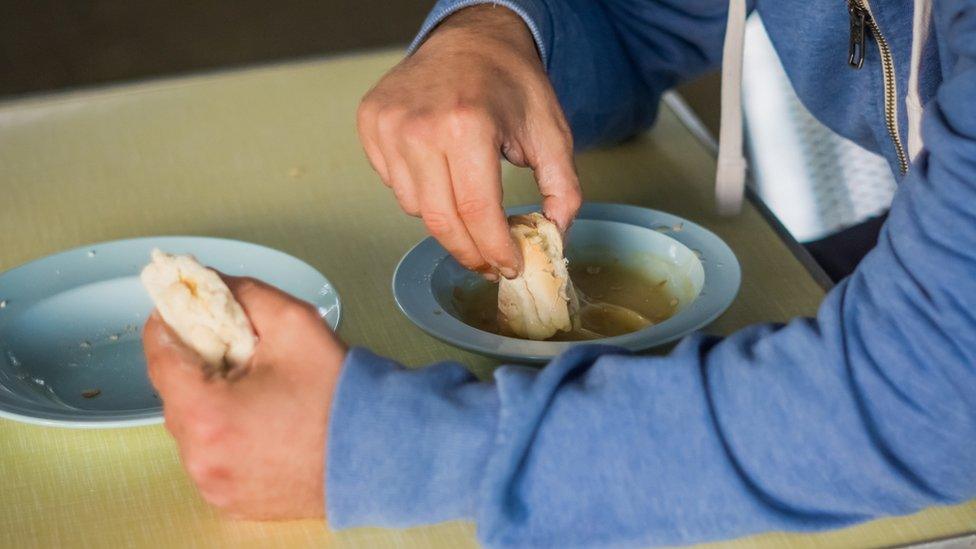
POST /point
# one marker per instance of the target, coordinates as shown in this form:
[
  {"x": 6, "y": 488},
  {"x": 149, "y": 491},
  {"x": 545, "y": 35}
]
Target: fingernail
[
  {"x": 490, "y": 277},
  {"x": 554, "y": 219},
  {"x": 508, "y": 272}
]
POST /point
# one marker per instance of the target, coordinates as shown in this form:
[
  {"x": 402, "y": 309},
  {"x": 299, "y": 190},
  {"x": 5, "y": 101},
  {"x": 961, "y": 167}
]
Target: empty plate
[{"x": 70, "y": 326}]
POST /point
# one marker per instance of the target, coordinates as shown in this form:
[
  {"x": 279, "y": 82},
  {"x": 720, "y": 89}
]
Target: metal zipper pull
[{"x": 855, "y": 52}]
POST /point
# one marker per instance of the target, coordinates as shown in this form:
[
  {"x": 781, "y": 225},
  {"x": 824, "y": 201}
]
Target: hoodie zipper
[{"x": 861, "y": 20}]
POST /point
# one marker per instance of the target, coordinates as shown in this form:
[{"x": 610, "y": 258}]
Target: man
[{"x": 867, "y": 410}]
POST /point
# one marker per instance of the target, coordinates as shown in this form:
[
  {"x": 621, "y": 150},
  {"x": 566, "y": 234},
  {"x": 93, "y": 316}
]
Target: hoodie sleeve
[
  {"x": 610, "y": 60},
  {"x": 865, "y": 411}
]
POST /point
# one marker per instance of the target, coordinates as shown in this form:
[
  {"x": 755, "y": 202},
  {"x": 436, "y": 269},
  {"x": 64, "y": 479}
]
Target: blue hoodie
[{"x": 867, "y": 410}]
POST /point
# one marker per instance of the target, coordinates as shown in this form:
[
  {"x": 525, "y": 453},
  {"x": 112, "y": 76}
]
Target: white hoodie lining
[{"x": 730, "y": 173}]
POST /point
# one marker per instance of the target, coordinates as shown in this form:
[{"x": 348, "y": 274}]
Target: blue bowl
[
  {"x": 700, "y": 268},
  {"x": 71, "y": 323}
]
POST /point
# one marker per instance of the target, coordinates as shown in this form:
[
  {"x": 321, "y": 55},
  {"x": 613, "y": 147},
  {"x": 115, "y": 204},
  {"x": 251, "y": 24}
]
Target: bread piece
[
  {"x": 541, "y": 301},
  {"x": 198, "y": 306}
]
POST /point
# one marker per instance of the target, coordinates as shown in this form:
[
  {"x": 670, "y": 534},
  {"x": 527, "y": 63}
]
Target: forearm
[
  {"x": 602, "y": 93},
  {"x": 470, "y": 28},
  {"x": 720, "y": 439},
  {"x": 407, "y": 447},
  {"x": 865, "y": 411}
]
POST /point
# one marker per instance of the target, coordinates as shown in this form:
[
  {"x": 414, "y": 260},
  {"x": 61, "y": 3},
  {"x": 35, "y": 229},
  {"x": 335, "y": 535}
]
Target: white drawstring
[
  {"x": 921, "y": 22},
  {"x": 730, "y": 176}
]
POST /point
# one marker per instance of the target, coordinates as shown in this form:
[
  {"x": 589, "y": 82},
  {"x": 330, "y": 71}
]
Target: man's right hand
[{"x": 436, "y": 126}]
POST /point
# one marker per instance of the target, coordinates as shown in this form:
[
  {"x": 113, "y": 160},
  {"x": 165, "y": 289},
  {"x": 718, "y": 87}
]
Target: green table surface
[{"x": 270, "y": 155}]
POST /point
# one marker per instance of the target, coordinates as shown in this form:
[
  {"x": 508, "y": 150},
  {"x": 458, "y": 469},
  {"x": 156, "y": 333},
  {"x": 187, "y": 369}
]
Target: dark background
[{"x": 49, "y": 45}]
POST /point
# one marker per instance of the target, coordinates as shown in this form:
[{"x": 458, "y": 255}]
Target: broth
[{"x": 613, "y": 291}]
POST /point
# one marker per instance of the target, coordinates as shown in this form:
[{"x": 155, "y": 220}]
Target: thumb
[{"x": 555, "y": 173}]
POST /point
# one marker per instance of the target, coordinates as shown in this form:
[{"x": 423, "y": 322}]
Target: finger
[
  {"x": 366, "y": 125},
  {"x": 264, "y": 305},
  {"x": 163, "y": 348},
  {"x": 438, "y": 208},
  {"x": 400, "y": 180},
  {"x": 287, "y": 327},
  {"x": 376, "y": 159},
  {"x": 175, "y": 370},
  {"x": 555, "y": 173},
  {"x": 475, "y": 173},
  {"x": 173, "y": 423}
]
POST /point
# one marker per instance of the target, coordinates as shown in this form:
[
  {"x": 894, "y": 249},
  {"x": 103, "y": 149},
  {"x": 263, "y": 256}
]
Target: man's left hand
[{"x": 254, "y": 446}]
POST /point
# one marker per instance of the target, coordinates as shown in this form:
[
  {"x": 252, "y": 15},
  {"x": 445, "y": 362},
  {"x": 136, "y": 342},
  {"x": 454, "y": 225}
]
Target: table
[{"x": 270, "y": 155}]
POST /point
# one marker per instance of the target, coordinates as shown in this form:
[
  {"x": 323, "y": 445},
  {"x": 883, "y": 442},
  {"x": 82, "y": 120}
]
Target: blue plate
[
  {"x": 70, "y": 326},
  {"x": 698, "y": 264}
]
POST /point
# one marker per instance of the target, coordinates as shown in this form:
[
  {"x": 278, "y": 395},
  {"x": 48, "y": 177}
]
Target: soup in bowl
[{"x": 646, "y": 278}]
